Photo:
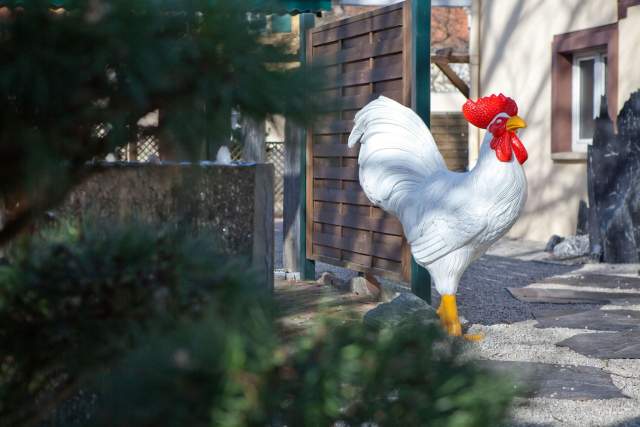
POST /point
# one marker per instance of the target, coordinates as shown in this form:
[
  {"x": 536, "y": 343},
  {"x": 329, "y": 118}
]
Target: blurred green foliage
[
  {"x": 158, "y": 329},
  {"x": 105, "y": 64},
  {"x": 74, "y": 300},
  {"x": 337, "y": 374}
]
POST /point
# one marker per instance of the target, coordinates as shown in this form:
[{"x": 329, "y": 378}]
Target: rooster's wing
[{"x": 439, "y": 231}]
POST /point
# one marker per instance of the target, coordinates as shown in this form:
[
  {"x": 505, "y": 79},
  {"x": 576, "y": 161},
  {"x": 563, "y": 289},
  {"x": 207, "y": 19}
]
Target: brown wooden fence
[
  {"x": 364, "y": 56},
  {"x": 451, "y": 132}
]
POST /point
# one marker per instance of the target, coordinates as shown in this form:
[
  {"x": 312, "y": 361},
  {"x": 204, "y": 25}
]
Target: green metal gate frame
[{"x": 421, "y": 104}]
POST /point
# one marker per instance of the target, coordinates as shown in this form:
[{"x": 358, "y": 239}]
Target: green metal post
[
  {"x": 307, "y": 266},
  {"x": 421, "y": 104}
]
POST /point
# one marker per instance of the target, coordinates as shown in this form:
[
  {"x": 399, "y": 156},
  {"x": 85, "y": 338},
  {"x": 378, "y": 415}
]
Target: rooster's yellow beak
[{"x": 516, "y": 122}]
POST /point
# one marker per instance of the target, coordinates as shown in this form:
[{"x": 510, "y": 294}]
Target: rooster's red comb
[{"x": 481, "y": 112}]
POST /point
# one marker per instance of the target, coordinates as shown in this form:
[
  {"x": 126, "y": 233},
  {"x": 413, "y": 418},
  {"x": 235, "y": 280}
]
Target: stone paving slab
[
  {"x": 606, "y": 345},
  {"x": 554, "y": 310},
  {"x": 557, "y": 382},
  {"x": 598, "y": 320},
  {"x": 595, "y": 281},
  {"x": 571, "y": 296}
]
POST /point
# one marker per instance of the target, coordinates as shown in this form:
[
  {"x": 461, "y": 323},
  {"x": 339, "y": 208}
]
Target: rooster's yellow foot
[
  {"x": 453, "y": 329},
  {"x": 448, "y": 313}
]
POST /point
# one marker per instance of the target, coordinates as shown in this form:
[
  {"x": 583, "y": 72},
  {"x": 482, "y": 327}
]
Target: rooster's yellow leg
[
  {"x": 448, "y": 312},
  {"x": 440, "y": 310}
]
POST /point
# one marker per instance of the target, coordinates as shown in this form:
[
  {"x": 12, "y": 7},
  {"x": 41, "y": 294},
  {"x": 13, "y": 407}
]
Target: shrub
[
  {"x": 155, "y": 328},
  {"x": 339, "y": 374},
  {"x": 72, "y": 301}
]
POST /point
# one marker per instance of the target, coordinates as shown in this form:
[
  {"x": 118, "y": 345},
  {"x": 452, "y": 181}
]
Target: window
[
  {"x": 584, "y": 66},
  {"x": 589, "y": 83}
]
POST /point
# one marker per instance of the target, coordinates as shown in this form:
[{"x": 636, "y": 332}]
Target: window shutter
[{"x": 560, "y": 102}]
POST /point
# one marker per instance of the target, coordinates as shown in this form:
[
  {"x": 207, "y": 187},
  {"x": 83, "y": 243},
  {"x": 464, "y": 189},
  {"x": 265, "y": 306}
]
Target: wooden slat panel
[
  {"x": 336, "y": 173},
  {"x": 364, "y": 57},
  {"x": 358, "y": 101},
  {"x": 333, "y": 127},
  {"x": 385, "y": 264},
  {"x": 329, "y": 184},
  {"x": 337, "y": 150},
  {"x": 355, "y": 42},
  {"x": 326, "y": 162},
  {"x": 356, "y": 258},
  {"x": 380, "y": 250},
  {"x": 326, "y": 251},
  {"x": 390, "y": 226},
  {"x": 357, "y": 267},
  {"x": 356, "y": 66},
  {"x": 355, "y": 197},
  {"x": 390, "y": 72},
  {"x": 359, "y": 17},
  {"x": 384, "y": 47},
  {"x": 323, "y": 35}
]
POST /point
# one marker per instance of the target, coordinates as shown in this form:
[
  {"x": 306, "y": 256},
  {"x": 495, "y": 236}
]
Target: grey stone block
[
  {"x": 598, "y": 320},
  {"x": 613, "y": 345},
  {"x": 235, "y": 203},
  {"x": 594, "y": 280},
  {"x": 570, "y": 296},
  {"x": 557, "y": 382}
]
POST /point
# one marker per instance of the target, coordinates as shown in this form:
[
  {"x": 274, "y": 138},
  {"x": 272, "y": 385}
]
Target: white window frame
[{"x": 581, "y": 144}]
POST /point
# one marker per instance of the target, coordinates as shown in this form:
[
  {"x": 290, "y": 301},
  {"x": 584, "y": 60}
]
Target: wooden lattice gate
[{"x": 364, "y": 56}]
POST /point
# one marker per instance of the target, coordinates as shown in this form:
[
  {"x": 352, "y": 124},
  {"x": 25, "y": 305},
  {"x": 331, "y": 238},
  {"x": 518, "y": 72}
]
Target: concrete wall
[
  {"x": 235, "y": 202},
  {"x": 629, "y": 55},
  {"x": 515, "y": 39}
]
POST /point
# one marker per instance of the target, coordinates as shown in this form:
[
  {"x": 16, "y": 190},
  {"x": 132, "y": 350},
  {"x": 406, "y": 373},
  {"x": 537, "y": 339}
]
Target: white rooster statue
[{"x": 449, "y": 218}]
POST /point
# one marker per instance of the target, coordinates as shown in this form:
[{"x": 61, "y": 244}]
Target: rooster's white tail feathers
[{"x": 397, "y": 153}]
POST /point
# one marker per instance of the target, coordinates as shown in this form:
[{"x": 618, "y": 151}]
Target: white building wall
[
  {"x": 515, "y": 58},
  {"x": 629, "y": 55}
]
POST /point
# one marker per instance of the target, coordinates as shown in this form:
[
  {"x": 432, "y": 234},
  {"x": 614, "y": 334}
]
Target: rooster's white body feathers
[{"x": 449, "y": 218}]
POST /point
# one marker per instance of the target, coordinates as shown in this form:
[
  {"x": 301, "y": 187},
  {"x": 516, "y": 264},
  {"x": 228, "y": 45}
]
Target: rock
[
  {"x": 406, "y": 306},
  {"x": 572, "y": 247},
  {"x": 366, "y": 286},
  {"x": 327, "y": 278},
  {"x": 552, "y": 243},
  {"x": 614, "y": 184}
]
